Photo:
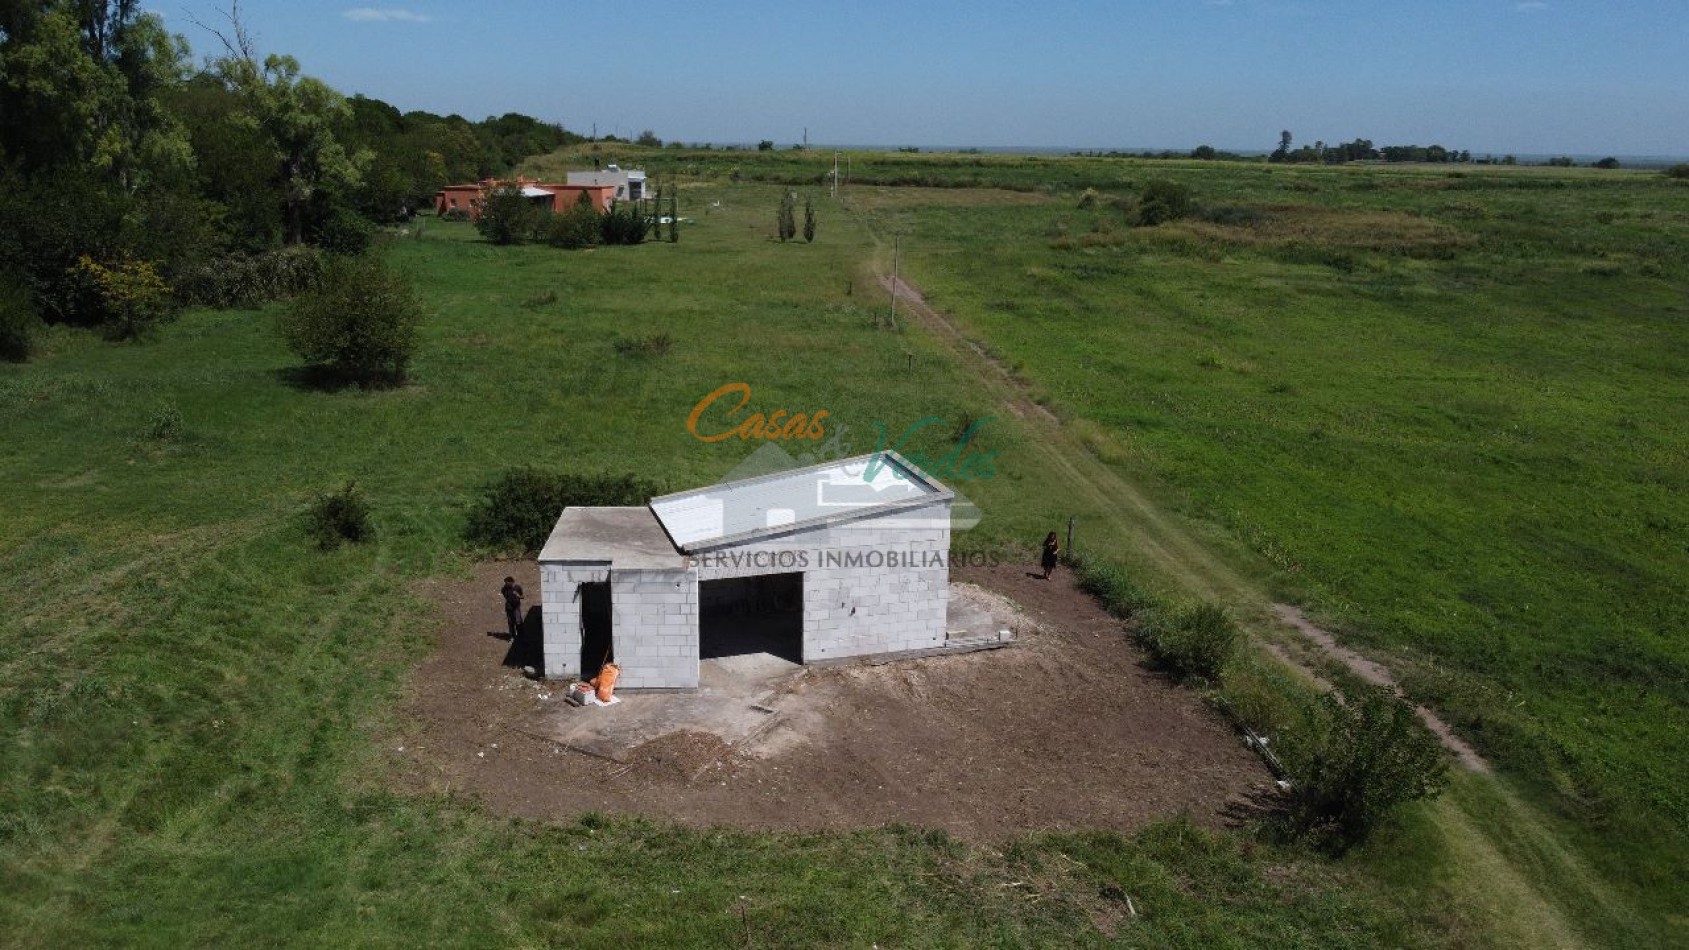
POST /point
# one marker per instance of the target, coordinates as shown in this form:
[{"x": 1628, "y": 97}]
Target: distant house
[
  {"x": 551, "y": 195},
  {"x": 629, "y": 183}
]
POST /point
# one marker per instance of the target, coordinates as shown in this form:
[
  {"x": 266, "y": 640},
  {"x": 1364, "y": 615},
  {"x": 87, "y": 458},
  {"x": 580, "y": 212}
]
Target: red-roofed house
[{"x": 553, "y": 196}]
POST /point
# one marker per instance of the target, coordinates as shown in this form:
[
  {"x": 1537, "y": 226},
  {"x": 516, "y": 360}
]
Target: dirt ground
[{"x": 1068, "y": 728}]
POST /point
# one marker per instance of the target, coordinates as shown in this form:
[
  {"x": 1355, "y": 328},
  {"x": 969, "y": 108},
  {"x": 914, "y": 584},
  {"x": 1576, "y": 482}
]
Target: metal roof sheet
[{"x": 747, "y": 509}]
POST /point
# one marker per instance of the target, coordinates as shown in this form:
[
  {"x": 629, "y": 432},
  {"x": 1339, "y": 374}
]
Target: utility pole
[
  {"x": 806, "y": 138},
  {"x": 835, "y": 173}
]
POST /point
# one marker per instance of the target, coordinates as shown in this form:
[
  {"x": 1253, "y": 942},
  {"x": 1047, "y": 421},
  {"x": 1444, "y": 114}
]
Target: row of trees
[
  {"x": 129, "y": 176},
  {"x": 1362, "y": 150}
]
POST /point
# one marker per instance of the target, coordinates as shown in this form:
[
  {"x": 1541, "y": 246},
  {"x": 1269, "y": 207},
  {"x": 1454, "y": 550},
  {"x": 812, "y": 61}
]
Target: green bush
[
  {"x": 1192, "y": 642},
  {"x": 339, "y": 516},
  {"x": 625, "y": 223},
  {"x": 344, "y": 231},
  {"x": 127, "y": 296},
  {"x": 576, "y": 227},
  {"x": 518, "y": 510},
  {"x": 1162, "y": 201},
  {"x": 1368, "y": 754},
  {"x": 165, "y": 424},
  {"x": 18, "y": 323},
  {"x": 359, "y": 324},
  {"x": 250, "y": 280},
  {"x": 1679, "y": 171},
  {"x": 508, "y": 218}
]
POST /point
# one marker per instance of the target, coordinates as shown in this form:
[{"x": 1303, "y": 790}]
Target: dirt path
[
  {"x": 1165, "y": 542},
  {"x": 1068, "y": 729},
  {"x": 1378, "y": 675}
]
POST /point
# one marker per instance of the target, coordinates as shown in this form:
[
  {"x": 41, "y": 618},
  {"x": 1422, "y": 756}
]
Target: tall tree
[{"x": 81, "y": 86}]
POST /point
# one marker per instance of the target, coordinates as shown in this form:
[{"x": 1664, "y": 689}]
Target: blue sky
[{"x": 1524, "y": 76}]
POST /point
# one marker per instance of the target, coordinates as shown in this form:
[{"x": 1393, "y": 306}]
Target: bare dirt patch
[{"x": 1067, "y": 729}]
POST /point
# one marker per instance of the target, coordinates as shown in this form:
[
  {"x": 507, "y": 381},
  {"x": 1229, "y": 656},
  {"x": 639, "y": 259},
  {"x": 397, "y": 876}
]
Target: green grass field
[{"x": 1464, "y": 406}]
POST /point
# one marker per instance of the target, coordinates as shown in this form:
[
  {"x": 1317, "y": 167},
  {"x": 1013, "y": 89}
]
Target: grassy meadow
[{"x": 1445, "y": 413}]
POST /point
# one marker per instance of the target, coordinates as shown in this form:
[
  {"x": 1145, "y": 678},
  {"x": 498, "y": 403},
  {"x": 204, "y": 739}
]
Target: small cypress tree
[
  {"x": 788, "y": 216},
  {"x": 808, "y": 221},
  {"x": 674, "y": 217}
]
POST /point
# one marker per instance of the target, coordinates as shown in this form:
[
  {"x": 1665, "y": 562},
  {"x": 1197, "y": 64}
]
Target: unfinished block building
[{"x": 843, "y": 559}]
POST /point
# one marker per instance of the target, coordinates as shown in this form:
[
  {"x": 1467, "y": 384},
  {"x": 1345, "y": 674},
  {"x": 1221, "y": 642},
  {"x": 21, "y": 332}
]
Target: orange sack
[{"x": 606, "y": 681}]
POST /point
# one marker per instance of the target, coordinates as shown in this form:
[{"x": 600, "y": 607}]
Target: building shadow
[{"x": 528, "y": 648}]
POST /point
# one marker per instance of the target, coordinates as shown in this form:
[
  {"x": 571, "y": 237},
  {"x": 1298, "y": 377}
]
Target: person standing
[
  {"x": 1052, "y": 554},
  {"x": 512, "y": 592}
]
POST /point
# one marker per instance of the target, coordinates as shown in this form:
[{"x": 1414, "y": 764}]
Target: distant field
[
  {"x": 1469, "y": 400},
  {"x": 1451, "y": 413}
]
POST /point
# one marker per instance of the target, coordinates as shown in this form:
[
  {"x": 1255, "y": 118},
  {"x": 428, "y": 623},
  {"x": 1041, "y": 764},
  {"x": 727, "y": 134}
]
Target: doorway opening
[
  {"x": 742, "y": 615},
  {"x": 596, "y": 645}
]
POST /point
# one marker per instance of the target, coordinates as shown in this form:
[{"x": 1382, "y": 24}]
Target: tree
[
  {"x": 360, "y": 324},
  {"x": 508, "y": 217},
  {"x": 786, "y": 218},
  {"x": 649, "y": 139},
  {"x": 295, "y": 116},
  {"x": 1609, "y": 163},
  {"x": 81, "y": 85},
  {"x": 1204, "y": 152},
  {"x": 766, "y": 145},
  {"x": 1369, "y": 754},
  {"x": 1282, "y": 153},
  {"x": 808, "y": 220}
]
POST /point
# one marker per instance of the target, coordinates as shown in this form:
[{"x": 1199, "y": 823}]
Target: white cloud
[{"x": 384, "y": 15}]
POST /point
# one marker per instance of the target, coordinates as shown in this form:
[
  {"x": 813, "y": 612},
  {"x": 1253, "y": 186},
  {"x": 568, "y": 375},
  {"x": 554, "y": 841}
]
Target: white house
[
  {"x": 843, "y": 559},
  {"x": 629, "y": 183}
]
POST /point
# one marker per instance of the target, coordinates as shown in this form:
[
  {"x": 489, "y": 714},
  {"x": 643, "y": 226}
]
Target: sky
[{"x": 1490, "y": 76}]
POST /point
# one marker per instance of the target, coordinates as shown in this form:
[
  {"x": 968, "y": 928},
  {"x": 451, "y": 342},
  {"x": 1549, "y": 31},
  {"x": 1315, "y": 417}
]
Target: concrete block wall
[
  {"x": 560, "y": 606},
  {"x": 879, "y": 585},
  {"x": 654, "y": 627}
]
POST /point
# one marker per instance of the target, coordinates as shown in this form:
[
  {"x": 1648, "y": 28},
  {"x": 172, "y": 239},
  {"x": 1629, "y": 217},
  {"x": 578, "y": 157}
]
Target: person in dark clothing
[
  {"x": 1052, "y": 554},
  {"x": 512, "y": 592}
]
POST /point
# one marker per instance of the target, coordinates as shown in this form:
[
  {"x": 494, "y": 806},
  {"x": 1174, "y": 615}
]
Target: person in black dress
[
  {"x": 512, "y": 592},
  {"x": 1052, "y": 554}
]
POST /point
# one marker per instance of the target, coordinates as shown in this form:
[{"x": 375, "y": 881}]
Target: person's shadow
[{"x": 527, "y": 649}]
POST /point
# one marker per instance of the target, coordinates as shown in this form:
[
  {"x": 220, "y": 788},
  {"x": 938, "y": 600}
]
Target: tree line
[{"x": 133, "y": 181}]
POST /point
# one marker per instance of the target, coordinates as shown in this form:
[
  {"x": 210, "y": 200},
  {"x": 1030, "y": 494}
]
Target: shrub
[
  {"x": 651, "y": 344},
  {"x": 576, "y": 227},
  {"x": 250, "y": 280},
  {"x": 1119, "y": 595},
  {"x": 18, "y": 323},
  {"x": 1161, "y": 201},
  {"x": 339, "y": 516},
  {"x": 128, "y": 296},
  {"x": 624, "y": 223},
  {"x": 454, "y": 214},
  {"x": 507, "y": 217},
  {"x": 360, "y": 324},
  {"x": 1369, "y": 754},
  {"x": 808, "y": 221},
  {"x": 344, "y": 231},
  {"x": 1191, "y": 642},
  {"x": 165, "y": 425},
  {"x": 1679, "y": 171},
  {"x": 519, "y": 509}
]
